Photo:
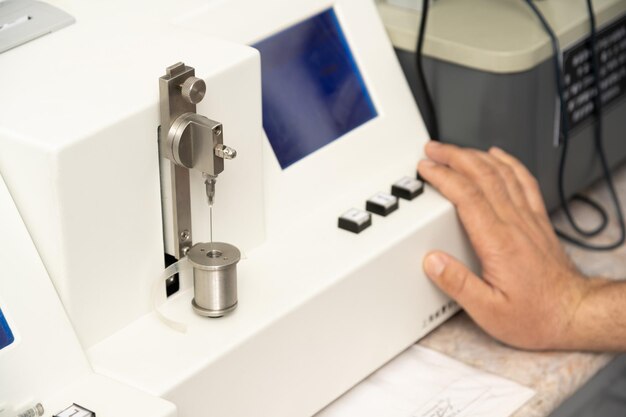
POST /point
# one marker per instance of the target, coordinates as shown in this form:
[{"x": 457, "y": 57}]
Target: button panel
[
  {"x": 355, "y": 220},
  {"x": 407, "y": 188},
  {"x": 382, "y": 204}
]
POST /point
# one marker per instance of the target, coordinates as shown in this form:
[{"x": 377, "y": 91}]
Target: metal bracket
[
  {"x": 189, "y": 141},
  {"x": 173, "y": 105}
]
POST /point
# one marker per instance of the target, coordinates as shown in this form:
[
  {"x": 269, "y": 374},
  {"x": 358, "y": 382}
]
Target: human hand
[{"x": 530, "y": 291}]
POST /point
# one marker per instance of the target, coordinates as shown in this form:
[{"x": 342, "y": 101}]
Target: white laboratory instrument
[{"x": 311, "y": 97}]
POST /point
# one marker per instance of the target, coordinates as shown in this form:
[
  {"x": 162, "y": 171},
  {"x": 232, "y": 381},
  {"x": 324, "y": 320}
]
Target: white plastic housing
[
  {"x": 45, "y": 363},
  {"x": 80, "y": 157},
  {"x": 319, "y": 307}
]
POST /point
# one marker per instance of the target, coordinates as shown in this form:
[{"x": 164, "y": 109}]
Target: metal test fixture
[{"x": 191, "y": 141}]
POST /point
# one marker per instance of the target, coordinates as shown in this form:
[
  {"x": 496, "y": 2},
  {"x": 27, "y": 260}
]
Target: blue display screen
[
  {"x": 313, "y": 92},
  {"x": 6, "y": 336}
]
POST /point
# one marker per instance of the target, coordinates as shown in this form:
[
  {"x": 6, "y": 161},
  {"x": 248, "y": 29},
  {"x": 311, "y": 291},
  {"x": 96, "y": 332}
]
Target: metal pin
[
  {"x": 35, "y": 411},
  {"x": 209, "y": 181}
]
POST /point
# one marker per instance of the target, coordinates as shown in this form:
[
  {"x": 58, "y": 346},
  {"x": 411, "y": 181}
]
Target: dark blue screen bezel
[{"x": 313, "y": 91}]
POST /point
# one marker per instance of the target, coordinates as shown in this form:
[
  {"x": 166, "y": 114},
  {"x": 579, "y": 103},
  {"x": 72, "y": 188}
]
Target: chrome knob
[
  {"x": 225, "y": 152},
  {"x": 193, "y": 90}
]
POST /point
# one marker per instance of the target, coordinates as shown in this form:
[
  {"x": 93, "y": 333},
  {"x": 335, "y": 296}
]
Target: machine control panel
[{"x": 357, "y": 220}]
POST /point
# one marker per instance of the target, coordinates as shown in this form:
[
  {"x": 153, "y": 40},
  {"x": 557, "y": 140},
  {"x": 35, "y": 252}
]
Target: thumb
[{"x": 456, "y": 280}]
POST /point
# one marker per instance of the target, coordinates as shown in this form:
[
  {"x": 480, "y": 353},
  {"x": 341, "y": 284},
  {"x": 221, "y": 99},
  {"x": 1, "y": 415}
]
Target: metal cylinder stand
[{"x": 214, "y": 278}]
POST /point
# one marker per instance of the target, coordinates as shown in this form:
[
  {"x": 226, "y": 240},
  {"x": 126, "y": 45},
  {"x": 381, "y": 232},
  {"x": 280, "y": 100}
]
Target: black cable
[
  {"x": 430, "y": 108},
  {"x": 564, "y": 136},
  {"x": 598, "y": 136},
  {"x": 598, "y": 133},
  {"x": 594, "y": 205},
  {"x": 556, "y": 56}
]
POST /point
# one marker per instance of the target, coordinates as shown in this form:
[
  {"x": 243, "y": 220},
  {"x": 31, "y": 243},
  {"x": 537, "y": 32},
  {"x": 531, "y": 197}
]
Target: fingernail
[
  {"x": 434, "y": 265},
  {"x": 426, "y": 163},
  {"x": 433, "y": 144}
]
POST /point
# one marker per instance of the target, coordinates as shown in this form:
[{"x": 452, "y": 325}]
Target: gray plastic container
[
  {"x": 489, "y": 67},
  {"x": 516, "y": 112}
]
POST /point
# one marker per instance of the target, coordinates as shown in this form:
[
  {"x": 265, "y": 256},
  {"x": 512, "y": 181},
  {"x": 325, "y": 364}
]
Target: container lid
[{"x": 498, "y": 36}]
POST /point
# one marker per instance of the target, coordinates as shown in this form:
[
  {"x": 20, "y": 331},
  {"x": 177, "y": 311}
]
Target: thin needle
[{"x": 211, "y": 220}]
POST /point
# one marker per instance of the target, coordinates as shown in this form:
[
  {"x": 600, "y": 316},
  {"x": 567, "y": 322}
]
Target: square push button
[
  {"x": 355, "y": 220},
  {"x": 382, "y": 203},
  {"x": 407, "y": 188}
]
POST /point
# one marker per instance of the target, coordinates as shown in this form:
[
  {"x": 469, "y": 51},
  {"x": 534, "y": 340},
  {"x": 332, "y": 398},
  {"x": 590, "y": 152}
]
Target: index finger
[{"x": 475, "y": 212}]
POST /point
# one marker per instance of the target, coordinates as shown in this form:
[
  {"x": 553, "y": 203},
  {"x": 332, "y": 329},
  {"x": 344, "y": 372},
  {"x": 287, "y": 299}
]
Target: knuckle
[
  {"x": 487, "y": 171},
  {"x": 511, "y": 180},
  {"x": 465, "y": 157},
  {"x": 534, "y": 183},
  {"x": 510, "y": 159},
  {"x": 530, "y": 220},
  {"x": 473, "y": 193},
  {"x": 508, "y": 172},
  {"x": 514, "y": 160},
  {"x": 459, "y": 282}
]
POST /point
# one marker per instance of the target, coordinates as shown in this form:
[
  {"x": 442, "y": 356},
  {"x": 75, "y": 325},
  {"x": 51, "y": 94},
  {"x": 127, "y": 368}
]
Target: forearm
[{"x": 599, "y": 320}]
